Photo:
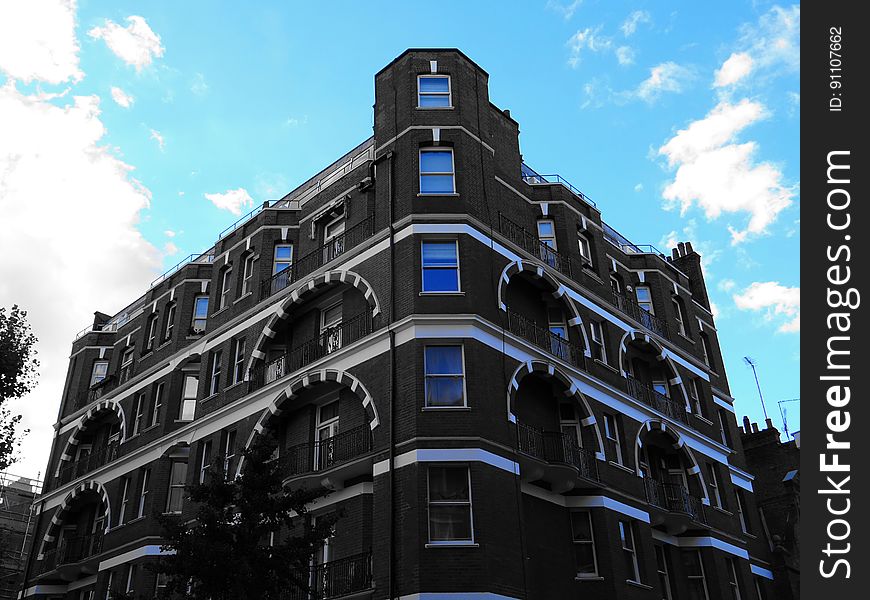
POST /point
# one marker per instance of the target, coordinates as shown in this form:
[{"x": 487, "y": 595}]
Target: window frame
[
  {"x": 423, "y": 267},
  {"x": 138, "y": 414},
  {"x": 586, "y": 258},
  {"x": 247, "y": 273},
  {"x": 641, "y": 303},
  {"x": 426, "y": 377},
  {"x": 589, "y": 542},
  {"x": 276, "y": 261},
  {"x": 105, "y": 364},
  {"x": 215, "y": 370},
  {"x": 699, "y": 576},
  {"x": 127, "y": 361},
  {"x": 205, "y": 461},
  {"x": 422, "y": 174},
  {"x": 200, "y": 299},
  {"x": 713, "y": 487},
  {"x": 429, "y": 503},
  {"x": 125, "y": 500},
  {"x": 448, "y": 93},
  {"x": 611, "y": 432},
  {"x": 188, "y": 400},
  {"x": 143, "y": 493},
  {"x": 599, "y": 343},
  {"x": 740, "y": 508},
  {"x": 129, "y": 588},
  {"x": 664, "y": 572},
  {"x": 695, "y": 391},
  {"x": 156, "y": 404},
  {"x": 239, "y": 361},
  {"x": 174, "y": 487},
  {"x": 707, "y": 350},
  {"x": 626, "y": 534},
  {"x": 733, "y": 579},
  {"x": 169, "y": 322},
  {"x": 226, "y": 287},
  {"x": 151, "y": 337},
  {"x": 544, "y": 239},
  {"x": 724, "y": 431},
  {"x": 229, "y": 453}
]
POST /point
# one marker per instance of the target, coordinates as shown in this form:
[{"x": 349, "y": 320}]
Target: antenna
[
  {"x": 783, "y": 412},
  {"x": 751, "y": 362}
]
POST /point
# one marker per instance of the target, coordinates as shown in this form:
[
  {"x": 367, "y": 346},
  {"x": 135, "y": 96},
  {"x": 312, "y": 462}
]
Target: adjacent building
[
  {"x": 507, "y": 398},
  {"x": 17, "y": 495}
]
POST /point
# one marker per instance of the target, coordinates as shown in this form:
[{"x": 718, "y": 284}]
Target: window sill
[
  {"x": 172, "y": 513},
  {"x": 434, "y": 107},
  {"x": 589, "y": 578},
  {"x": 703, "y": 419},
  {"x": 605, "y": 365},
  {"x": 149, "y": 428},
  {"x": 442, "y": 293},
  {"x": 146, "y": 354},
  {"x": 219, "y": 311},
  {"x": 163, "y": 344},
  {"x": 210, "y": 397},
  {"x": 452, "y": 545},
  {"x": 131, "y": 438},
  {"x": 619, "y": 466},
  {"x": 443, "y": 194},
  {"x": 242, "y": 297},
  {"x": 183, "y": 420},
  {"x": 634, "y": 583},
  {"x": 687, "y": 338},
  {"x": 125, "y": 523},
  {"x": 440, "y": 408},
  {"x": 236, "y": 384},
  {"x": 722, "y": 510}
]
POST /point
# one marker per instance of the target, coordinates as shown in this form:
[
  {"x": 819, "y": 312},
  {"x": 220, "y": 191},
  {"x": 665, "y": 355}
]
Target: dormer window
[{"x": 433, "y": 91}]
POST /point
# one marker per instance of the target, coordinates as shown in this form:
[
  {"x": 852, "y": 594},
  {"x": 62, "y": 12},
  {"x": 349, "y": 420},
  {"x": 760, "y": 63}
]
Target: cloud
[
  {"x": 121, "y": 97},
  {"x": 629, "y": 26},
  {"x": 721, "y": 175},
  {"x": 64, "y": 282},
  {"x": 38, "y": 42},
  {"x": 625, "y": 55},
  {"x": 586, "y": 39},
  {"x": 666, "y": 77},
  {"x": 638, "y": 187},
  {"x": 735, "y": 68},
  {"x": 726, "y": 285},
  {"x": 774, "y": 42},
  {"x": 158, "y": 137},
  {"x": 232, "y": 200},
  {"x": 169, "y": 233},
  {"x": 170, "y": 249},
  {"x": 777, "y": 302},
  {"x": 295, "y": 121},
  {"x": 567, "y": 10},
  {"x": 137, "y": 45},
  {"x": 198, "y": 85}
]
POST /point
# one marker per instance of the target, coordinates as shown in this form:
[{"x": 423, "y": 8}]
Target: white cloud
[
  {"x": 59, "y": 285},
  {"x": 121, "y": 97},
  {"x": 170, "y": 249},
  {"x": 586, "y": 39},
  {"x": 158, "y": 137},
  {"x": 726, "y": 285},
  {"x": 775, "y": 40},
  {"x": 169, "y": 233},
  {"x": 638, "y": 187},
  {"x": 720, "y": 175},
  {"x": 777, "y": 302},
  {"x": 633, "y": 20},
  {"x": 38, "y": 42},
  {"x": 735, "y": 68},
  {"x": 137, "y": 45},
  {"x": 567, "y": 10},
  {"x": 232, "y": 200},
  {"x": 666, "y": 77},
  {"x": 198, "y": 85},
  {"x": 625, "y": 55}
]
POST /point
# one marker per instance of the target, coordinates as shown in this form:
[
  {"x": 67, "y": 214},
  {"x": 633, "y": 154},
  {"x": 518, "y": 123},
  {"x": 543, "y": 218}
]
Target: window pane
[
  {"x": 448, "y": 484},
  {"x": 439, "y": 254},
  {"x": 436, "y": 184},
  {"x": 201, "y": 308},
  {"x": 190, "y": 385},
  {"x": 584, "y": 555},
  {"x": 283, "y": 252},
  {"x": 438, "y": 101},
  {"x": 545, "y": 228},
  {"x": 580, "y": 526},
  {"x": 692, "y": 562},
  {"x": 642, "y": 294},
  {"x": 440, "y": 280},
  {"x": 449, "y": 523},
  {"x": 434, "y": 84},
  {"x": 436, "y": 161},
  {"x": 444, "y": 391},
  {"x": 179, "y": 473},
  {"x": 443, "y": 360}
]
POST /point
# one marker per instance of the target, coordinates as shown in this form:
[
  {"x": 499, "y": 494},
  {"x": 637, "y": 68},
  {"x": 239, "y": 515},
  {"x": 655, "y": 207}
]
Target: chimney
[
  {"x": 746, "y": 426},
  {"x": 755, "y": 428},
  {"x": 689, "y": 262}
]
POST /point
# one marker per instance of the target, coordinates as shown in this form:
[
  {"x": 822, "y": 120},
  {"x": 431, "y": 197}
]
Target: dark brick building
[
  {"x": 507, "y": 397},
  {"x": 16, "y": 530}
]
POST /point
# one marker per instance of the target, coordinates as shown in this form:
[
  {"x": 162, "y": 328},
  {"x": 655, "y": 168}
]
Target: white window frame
[
  {"x": 423, "y": 267},
  {"x": 733, "y": 579},
  {"x": 626, "y": 534},
  {"x": 153, "y": 323},
  {"x": 247, "y": 272},
  {"x": 611, "y": 432},
  {"x": 585, "y": 247},
  {"x": 175, "y": 486},
  {"x": 229, "y": 453},
  {"x": 589, "y": 542},
  {"x": 596, "y": 329},
  {"x": 713, "y": 485},
  {"x": 109, "y": 585},
  {"x": 127, "y": 359},
  {"x": 170, "y": 321},
  {"x": 143, "y": 493},
  {"x": 651, "y": 310},
  {"x": 94, "y": 375},
  {"x": 205, "y": 461},
  {"x": 702, "y": 576},
  {"x": 226, "y": 287},
  {"x": 741, "y": 510},
  {"x": 468, "y": 503},
  {"x": 203, "y": 318},
  {"x": 188, "y": 401},
  {"x": 131, "y": 578},
  {"x": 426, "y": 377},
  {"x": 723, "y": 429},
  {"x": 239, "y": 361},
  {"x": 156, "y": 404},
  {"x": 125, "y": 501},
  {"x": 276, "y": 261},
  {"x": 547, "y": 239},
  {"x": 214, "y": 379},
  {"x": 617, "y": 288},
  {"x": 706, "y": 349},
  {"x": 449, "y": 92},
  {"x": 680, "y": 316},
  {"x": 138, "y": 413},
  {"x": 695, "y": 391},
  {"x": 663, "y": 572},
  {"x": 423, "y": 174}
]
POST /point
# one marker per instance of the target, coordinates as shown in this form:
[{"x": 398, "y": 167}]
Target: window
[
  {"x": 138, "y": 410},
  {"x": 239, "y": 361},
  {"x": 741, "y": 510},
  {"x": 326, "y": 429},
  {"x": 611, "y": 432},
  {"x": 584, "y": 544},
  {"x": 156, "y": 405},
  {"x": 760, "y": 588},
  {"x": 450, "y": 517},
  {"x": 663, "y": 573},
  {"x": 724, "y": 434},
  {"x": 680, "y": 315},
  {"x": 616, "y": 285},
  {"x": 143, "y": 493},
  {"x": 161, "y": 582},
  {"x": 644, "y": 298},
  {"x": 188, "y": 398},
  {"x": 229, "y": 454},
  {"x": 99, "y": 371},
  {"x": 585, "y": 249},
  {"x": 436, "y": 171},
  {"x": 110, "y": 585},
  {"x": 333, "y": 238},
  {"x": 696, "y": 393},
  {"x": 558, "y": 333},
  {"x": 205, "y": 461},
  {"x": 547, "y": 237},
  {"x": 733, "y": 581},
  {"x": 177, "y": 479},
  {"x": 215, "y": 378},
  {"x": 433, "y": 91},
  {"x": 440, "y": 266},
  {"x": 200, "y": 314},
  {"x": 713, "y": 484},
  {"x": 694, "y": 571},
  {"x": 569, "y": 423},
  {"x": 283, "y": 258},
  {"x": 707, "y": 349},
  {"x": 131, "y": 579},
  {"x": 151, "y": 339},
  {"x": 126, "y": 364},
  {"x": 598, "y": 350},
  {"x": 330, "y": 327},
  {"x": 226, "y": 280},
  {"x": 125, "y": 499},
  {"x": 247, "y": 273},
  {"x": 445, "y": 378},
  {"x": 169, "y": 325},
  {"x": 626, "y": 536}
]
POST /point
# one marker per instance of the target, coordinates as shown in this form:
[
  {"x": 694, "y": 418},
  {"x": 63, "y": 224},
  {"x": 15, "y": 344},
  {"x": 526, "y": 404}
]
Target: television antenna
[{"x": 751, "y": 362}]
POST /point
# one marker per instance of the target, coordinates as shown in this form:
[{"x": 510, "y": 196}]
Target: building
[
  {"x": 776, "y": 467},
  {"x": 507, "y": 397},
  {"x": 16, "y": 530}
]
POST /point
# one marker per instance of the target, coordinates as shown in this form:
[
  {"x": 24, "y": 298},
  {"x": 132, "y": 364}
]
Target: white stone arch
[
  {"x": 541, "y": 367},
  {"x": 661, "y": 356},
  {"x": 299, "y": 295},
  {"x": 61, "y": 511},
  {"x": 93, "y": 414},
  {"x": 679, "y": 444}
]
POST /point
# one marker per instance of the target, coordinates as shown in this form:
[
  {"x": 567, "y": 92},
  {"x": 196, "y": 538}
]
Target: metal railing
[
  {"x": 531, "y": 244},
  {"x": 70, "y": 551},
  {"x": 329, "y": 341},
  {"x": 644, "y": 317},
  {"x": 531, "y": 177},
  {"x": 557, "y": 447},
  {"x": 318, "y": 257},
  {"x": 327, "y": 453},
  {"x": 206, "y": 257},
  {"x": 92, "y": 461},
  {"x": 545, "y": 339},
  {"x": 96, "y": 391},
  {"x": 673, "y": 497},
  {"x": 641, "y": 391},
  {"x": 335, "y": 579}
]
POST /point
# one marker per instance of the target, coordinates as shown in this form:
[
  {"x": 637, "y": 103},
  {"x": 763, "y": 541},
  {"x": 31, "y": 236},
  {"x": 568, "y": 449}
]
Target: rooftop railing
[
  {"x": 336, "y": 579},
  {"x": 531, "y": 177},
  {"x": 531, "y": 244},
  {"x": 640, "y": 391},
  {"x": 673, "y": 497},
  {"x": 556, "y": 447},
  {"x": 206, "y": 257},
  {"x": 543, "y": 338}
]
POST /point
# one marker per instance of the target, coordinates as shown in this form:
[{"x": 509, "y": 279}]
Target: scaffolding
[{"x": 17, "y": 504}]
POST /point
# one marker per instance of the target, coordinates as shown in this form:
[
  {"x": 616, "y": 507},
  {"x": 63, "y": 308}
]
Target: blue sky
[{"x": 135, "y": 133}]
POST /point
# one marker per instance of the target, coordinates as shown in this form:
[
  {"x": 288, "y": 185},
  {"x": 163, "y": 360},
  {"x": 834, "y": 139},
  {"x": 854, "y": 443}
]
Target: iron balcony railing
[
  {"x": 531, "y": 244},
  {"x": 336, "y": 579},
  {"x": 644, "y": 317},
  {"x": 95, "y": 392},
  {"x": 318, "y": 257},
  {"x": 673, "y": 497},
  {"x": 545, "y": 339},
  {"x": 532, "y": 177},
  {"x": 70, "y": 551},
  {"x": 326, "y": 453},
  {"x": 329, "y": 341},
  {"x": 641, "y": 391},
  {"x": 557, "y": 447},
  {"x": 92, "y": 461}
]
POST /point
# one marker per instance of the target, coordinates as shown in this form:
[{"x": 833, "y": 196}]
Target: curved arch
[
  {"x": 661, "y": 356},
  {"x": 559, "y": 292},
  {"x": 59, "y": 514},
  {"x": 93, "y": 413},
  {"x": 679, "y": 445},
  {"x": 571, "y": 391},
  {"x": 299, "y": 294}
]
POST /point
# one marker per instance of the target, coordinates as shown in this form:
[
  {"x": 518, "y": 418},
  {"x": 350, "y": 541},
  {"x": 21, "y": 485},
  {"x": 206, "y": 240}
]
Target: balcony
[
  {"x": 318, "y": 257},
  {"x": 91, "y": 462},
  {"x": 532, "y": 245},
  {"x": 331, "y": 461},
  {"x": 556, "y": 459},
  {"x": 546, "y": 340},
  {"x": 640, "y": 391},
  {"x": 342, "y": 578},
  {"x": 331, "y": 340},
  {"x": 648, "y": 320},
  {"x": 531, "y": 177},
  {"x": 71, "y": 557},
  {"x": 96, "y": 391},
  {"x": 678, "y": 509}
]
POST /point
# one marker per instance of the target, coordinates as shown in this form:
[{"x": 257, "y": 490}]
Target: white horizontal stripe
[
  {"x": 74, "y": 585},
  {"x": 700, "y": 542},
  {"x": 586, "y": 502},
  {"x": 151, "y": 550},
  {"x": 448, "y": 455},
  {"x": 741, "y": 480},
  {"x": 456, "y": 596},
  {"x": 761, "y": 571},
  {"x": 45, "y": 590},
  {"x": 724, "y": 403}
]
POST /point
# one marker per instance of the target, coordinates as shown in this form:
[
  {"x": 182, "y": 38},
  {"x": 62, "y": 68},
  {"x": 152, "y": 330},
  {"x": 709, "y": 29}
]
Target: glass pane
[
  {"x": 643, "y": 294},
  {"x": 444, "y": 391},
  {"x": 190, "y": 386},
  {"x": 449, "y": 523},
  {"x": 179, "y": 473},
  {"x": 629, "y": 565},
  {"x": 434, "y": 84},
  {"x": 332, "y": 315},
  {"x": 696, "y": 589},
  {"x": 436, "y": 161},
  {"x": 437, "y": 101},
  {"x": 692, "y": 562},
  {"x": 188, "y": 408},
  {"x": 448, "y": 484},
  {"x": 328, "y": 411},
  {"x": 441, "y": 254},
  {"x": 584, "y": 555},
  {"x": 545, "y": 228},
  {"x": 566, "y": 413},
  {"x": 661, "y": 387},
  {"x": 283, "y": 252},
  {"x": 443, "y": 360},
  {"x": 440, "y": 280},
  {"x": 436, "y": 184},
  {"x": 201, "y": 308},
  {"x": 580, "y": 526}
]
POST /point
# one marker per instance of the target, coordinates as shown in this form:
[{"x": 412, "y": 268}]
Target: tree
[
  {"x": 18, "y": 374},
  {"x": 250, "y": 539}
]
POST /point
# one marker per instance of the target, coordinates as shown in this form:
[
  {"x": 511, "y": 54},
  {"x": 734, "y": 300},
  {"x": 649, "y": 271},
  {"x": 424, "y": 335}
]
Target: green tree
[
  {"x": 249, "y": 539},
  {"x": 18, "y": 374}
]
